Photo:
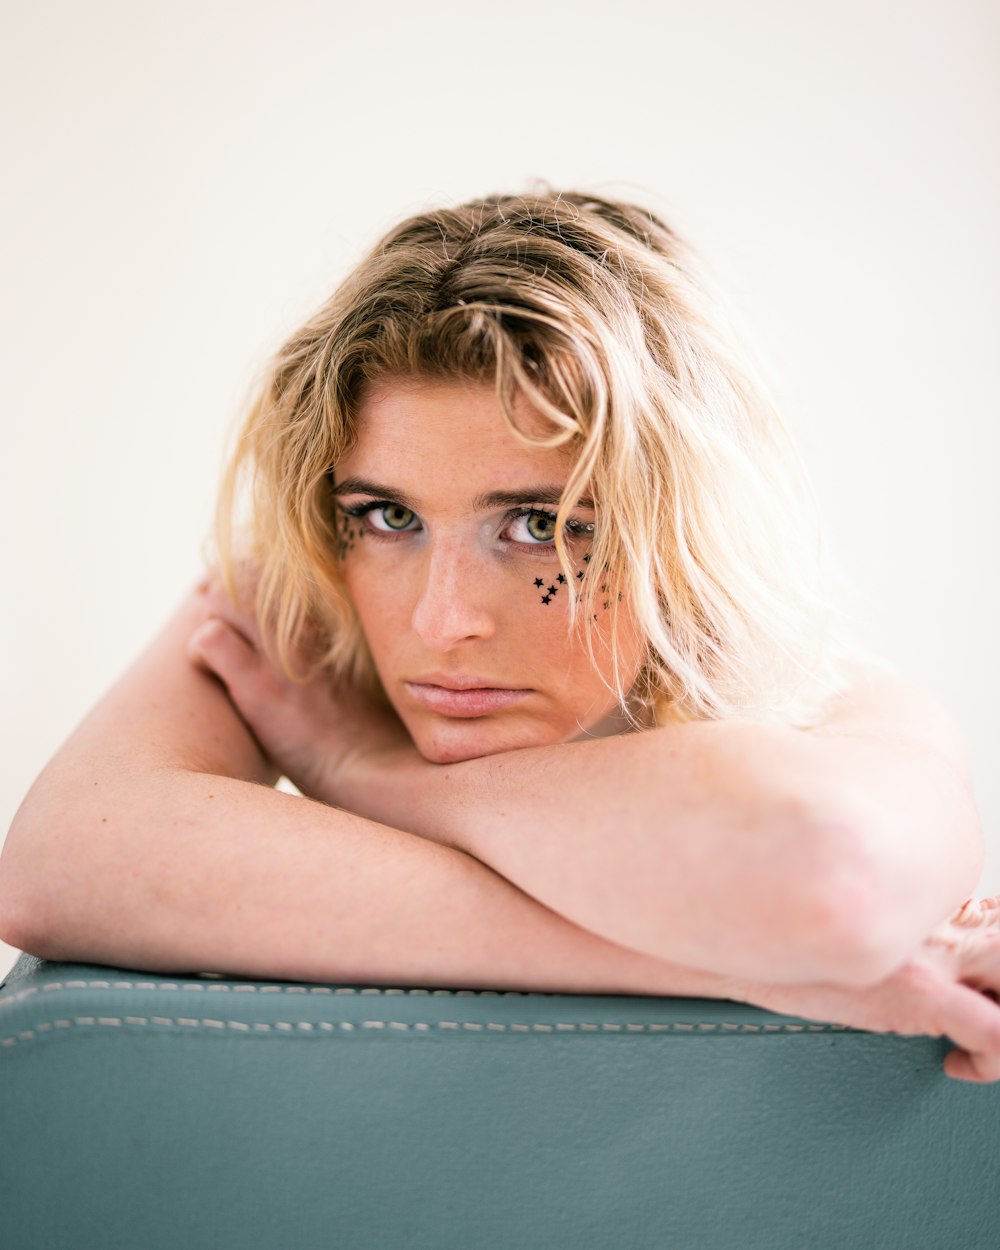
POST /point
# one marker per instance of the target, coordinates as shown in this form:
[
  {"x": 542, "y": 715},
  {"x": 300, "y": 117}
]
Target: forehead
[{"x": 430, "y": 431}]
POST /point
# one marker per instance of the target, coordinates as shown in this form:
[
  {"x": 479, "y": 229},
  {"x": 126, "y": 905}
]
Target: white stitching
[
  {"x": 264, "y": 989},
  {"x": 347, "y": 1026}
]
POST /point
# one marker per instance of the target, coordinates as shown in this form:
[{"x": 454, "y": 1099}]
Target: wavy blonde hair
[{"x": 597, "y": 314}]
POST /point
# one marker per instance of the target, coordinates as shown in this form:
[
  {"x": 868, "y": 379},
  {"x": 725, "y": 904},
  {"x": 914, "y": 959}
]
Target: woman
[{"x": 525, "y": 603}]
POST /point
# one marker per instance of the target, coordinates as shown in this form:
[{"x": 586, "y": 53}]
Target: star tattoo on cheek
[{"x": 552, "y": 590}]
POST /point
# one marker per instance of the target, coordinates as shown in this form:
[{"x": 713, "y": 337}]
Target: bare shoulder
[{"x": 883, "y": 703}]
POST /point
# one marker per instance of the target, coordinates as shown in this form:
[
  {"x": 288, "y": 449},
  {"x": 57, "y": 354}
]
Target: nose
[{"x": 452, "y": 604}]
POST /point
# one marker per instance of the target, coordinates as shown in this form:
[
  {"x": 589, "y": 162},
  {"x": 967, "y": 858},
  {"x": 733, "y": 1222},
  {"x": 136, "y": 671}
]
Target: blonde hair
[{"x": 597, "y": 314}]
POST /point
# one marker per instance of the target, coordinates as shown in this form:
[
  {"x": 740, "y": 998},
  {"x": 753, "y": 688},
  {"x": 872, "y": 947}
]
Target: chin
[
  {"x": 438, "y": 753},
  {"x": 450, "y": 741}
]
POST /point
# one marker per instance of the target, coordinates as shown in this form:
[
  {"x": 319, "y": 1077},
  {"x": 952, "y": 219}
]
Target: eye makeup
[
  {"x": 541, "y": 526},
  {"x": 398, "y": 521}
]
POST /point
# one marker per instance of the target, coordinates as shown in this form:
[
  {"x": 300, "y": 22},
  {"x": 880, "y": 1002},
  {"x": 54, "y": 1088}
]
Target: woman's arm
[
  {"x": 679, "y": 846},
  {"x": 649, "y": 838},
  {"x": 687, "y": 842},
  {"x": 830, "y": 854},
  {"x": 866, "y": 828},
  {"x": 153, "y": 840}
]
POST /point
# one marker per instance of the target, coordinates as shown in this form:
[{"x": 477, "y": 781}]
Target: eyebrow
[{"x": 545, "y": 493}]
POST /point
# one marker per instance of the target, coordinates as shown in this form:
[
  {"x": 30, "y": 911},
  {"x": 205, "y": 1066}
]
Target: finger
[
  {"x": 962, "y": 1066},
  {"x": 979, "y": 955},
  {"x": 972, "y": 1021},
  {"x": 220, "y": 648},
  {"x": 218, "y": 603},
  {"x": 976, "y": 912}
]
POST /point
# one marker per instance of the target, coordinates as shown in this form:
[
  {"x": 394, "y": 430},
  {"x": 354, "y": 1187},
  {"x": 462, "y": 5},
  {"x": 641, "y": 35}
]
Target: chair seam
[
  {"x": 197, "y": 986},
  {"x": 306, "y": 1027}
]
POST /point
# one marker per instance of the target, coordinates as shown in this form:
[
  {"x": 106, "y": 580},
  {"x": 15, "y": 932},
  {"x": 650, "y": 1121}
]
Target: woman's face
[{"x": 447, "y": 552}]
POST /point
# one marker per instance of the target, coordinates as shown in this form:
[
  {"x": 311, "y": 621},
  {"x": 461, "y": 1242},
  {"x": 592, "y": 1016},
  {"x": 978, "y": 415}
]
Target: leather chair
[{"x": 146, "y": 1111}]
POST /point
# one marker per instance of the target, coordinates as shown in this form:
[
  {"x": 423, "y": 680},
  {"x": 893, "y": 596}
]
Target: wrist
[
  {"x": 639, "y": 973},
  {"x": 393, "y": 785}
]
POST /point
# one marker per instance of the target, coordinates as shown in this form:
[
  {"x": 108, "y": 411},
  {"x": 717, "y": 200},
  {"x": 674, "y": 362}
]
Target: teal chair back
[{"x": 146, "y": 1111}]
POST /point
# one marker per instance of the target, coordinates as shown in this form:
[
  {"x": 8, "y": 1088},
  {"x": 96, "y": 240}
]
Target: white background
[{"x": 183, "y": 181}]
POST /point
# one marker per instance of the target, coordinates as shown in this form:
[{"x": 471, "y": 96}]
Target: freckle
[
  {"x": 104, "y": 820},
  {"x": 211, "y": 796}
]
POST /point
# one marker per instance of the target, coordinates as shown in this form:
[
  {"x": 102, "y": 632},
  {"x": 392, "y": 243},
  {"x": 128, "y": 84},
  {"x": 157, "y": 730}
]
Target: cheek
[
  {"x": 377, "y": 596},
  {"x": 547, "y": 588},
  {"x": 550, "y": 591},
  {"x": 548, "y": 583}
]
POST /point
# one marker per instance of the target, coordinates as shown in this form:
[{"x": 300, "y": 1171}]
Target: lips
[{"x": 463, "y": 696}]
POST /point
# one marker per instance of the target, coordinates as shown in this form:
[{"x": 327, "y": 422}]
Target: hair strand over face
[{"x": 597, "y": 315}]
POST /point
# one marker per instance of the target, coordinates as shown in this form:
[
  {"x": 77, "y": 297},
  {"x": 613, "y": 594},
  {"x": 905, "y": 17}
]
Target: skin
[
  {"x": 182, "y": 785},
  {"x": 447, "y": 589},
  {"x": 948, "y": 986}
]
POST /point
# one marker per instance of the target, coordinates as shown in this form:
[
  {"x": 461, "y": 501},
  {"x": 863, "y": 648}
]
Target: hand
[
  {"x": 948, "y": 987},
  {"x": 308, "y": 729}
]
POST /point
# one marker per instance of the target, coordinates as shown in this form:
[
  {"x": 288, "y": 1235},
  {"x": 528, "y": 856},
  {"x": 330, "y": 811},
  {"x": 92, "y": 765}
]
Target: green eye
[
  {"x": 395, "y": 516},
  {"x": 540, "y": 526}
]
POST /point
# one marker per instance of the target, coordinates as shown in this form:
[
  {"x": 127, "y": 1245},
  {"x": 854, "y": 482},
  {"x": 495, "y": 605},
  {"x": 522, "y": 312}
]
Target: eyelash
[{"x": 577, "y": 529}]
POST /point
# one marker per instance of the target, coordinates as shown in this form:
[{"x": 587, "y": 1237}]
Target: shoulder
[{"x": 882, "y": 703}]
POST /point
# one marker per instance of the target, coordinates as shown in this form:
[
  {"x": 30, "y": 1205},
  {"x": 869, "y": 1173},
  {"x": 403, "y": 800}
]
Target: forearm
[
  {"x": 689, "y": 849},
  {"x": 186, "y": 872}
]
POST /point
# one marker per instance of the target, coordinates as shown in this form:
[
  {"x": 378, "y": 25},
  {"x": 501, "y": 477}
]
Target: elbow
[
  {"x": 15, "y": 915},
  {"x": 873, "y": 926},
  {"x": 858, "y": 958},
  {"x": 17, "y": 932},
  {"x": 12, "y": 902},
  {"x": 28, "y": 926},
  {"x": 23, "y": 882},
  {"x": 887, "y": 886},
  {"x": 856, "y": 945}
]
